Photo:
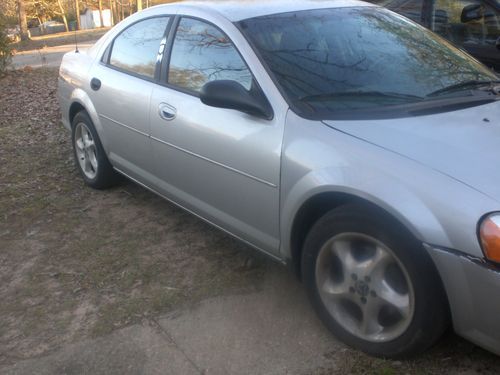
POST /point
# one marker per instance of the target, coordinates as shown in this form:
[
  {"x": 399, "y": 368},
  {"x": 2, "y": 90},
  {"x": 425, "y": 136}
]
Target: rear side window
[
  {"x": 135, "y": 50},
  {"x": 202, "y": 53}
]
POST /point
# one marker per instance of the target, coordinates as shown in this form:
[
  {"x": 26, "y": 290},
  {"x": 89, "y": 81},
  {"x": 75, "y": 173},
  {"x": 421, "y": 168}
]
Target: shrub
[{"x": 5, "y": 48}]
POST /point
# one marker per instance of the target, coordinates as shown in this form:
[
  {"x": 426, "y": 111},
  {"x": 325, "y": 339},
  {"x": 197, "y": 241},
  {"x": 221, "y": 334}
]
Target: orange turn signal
[{"x": 489, "y": 233}]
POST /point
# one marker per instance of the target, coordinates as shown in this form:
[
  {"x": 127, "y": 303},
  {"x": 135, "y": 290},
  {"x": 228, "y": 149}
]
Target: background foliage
[{"x": 5, "y": 47}]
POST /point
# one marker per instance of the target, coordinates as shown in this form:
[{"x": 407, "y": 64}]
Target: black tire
[
  {"x": 430, "y": 307},
  {"x": 103, "y": 176}
]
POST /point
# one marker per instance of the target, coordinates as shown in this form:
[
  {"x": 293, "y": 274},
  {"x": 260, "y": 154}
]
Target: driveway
[
  {"x": 45, "y": 57},
  {"x": 236, "y": 334}
]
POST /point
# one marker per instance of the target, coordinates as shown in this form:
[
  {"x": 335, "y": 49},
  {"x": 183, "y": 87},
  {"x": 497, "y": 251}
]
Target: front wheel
[{"x": 372, "y": 284}]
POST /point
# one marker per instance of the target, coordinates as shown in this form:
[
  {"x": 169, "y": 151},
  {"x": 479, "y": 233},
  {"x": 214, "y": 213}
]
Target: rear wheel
[
  {"x": 90, "y": 157},
  {"x": 372, "y": 284}
]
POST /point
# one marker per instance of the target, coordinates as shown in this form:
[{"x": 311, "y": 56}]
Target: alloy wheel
[
  {"x": 364, "y": 287},
  {"x": 86, "y": 151}
]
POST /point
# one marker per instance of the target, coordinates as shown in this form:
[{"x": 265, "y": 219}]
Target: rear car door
[
  {"x": 220, "y": 163},
  {"x": 122, "y": 86}
]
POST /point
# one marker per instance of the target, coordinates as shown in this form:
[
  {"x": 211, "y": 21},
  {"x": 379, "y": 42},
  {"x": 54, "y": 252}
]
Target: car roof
[{"x": 238, "y": 10}]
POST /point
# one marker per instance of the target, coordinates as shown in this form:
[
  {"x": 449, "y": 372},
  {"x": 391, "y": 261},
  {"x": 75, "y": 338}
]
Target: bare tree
[
  {"x": 23, "y": 23},
  {"x": 111, "y": 11},
  {"x": 100, "y": 13},
  {"x": 63, "y": 15},
  {"x": 139, "y": 5},
  {"x": 77, "y": 11}
]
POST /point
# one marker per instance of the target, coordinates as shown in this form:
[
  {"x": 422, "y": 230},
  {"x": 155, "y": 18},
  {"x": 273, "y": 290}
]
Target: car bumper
[{"x": 472, "y": 288}]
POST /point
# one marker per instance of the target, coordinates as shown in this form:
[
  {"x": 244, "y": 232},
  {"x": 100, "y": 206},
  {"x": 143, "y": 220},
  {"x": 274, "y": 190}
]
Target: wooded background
[{"x": 32, "y": 13}]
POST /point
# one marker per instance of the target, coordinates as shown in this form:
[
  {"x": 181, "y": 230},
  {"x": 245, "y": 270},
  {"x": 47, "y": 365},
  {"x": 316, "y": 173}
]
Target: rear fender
[{"x": 79, "y": 96}]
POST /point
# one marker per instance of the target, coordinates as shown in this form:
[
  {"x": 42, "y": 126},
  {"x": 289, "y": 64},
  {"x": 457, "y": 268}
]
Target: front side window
[
  {"x": 135, "y": 50},
  {"x": 202, "y": 53},
  {"x": 346, "y": 59}
]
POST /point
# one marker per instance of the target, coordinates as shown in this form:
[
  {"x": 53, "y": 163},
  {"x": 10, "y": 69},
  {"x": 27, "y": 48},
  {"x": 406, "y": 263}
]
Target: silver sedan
[{"x": 337, "y": 137}]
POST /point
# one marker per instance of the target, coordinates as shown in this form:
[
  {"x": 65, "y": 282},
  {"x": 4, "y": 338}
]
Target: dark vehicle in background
[{"x": 473, "y": 25}]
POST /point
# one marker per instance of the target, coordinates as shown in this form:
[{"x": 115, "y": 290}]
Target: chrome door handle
[{"x": 166, "y": 111}]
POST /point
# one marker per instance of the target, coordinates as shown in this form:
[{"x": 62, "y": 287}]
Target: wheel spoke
[
  {"x": 375, "y": 266},
  {"x": 342, "y": 249},
  {"x": 336, "y": 290},
  {"x": 93, "y": 160},
  {"x": 390, "y": 296},
  {"x": 87, "y": 165},
  {"x": 79, "y": 144},
  {"x": 90, "y": 144},
  {"x": 86, "y": 138},
  {"x": 369, "y": 324}
]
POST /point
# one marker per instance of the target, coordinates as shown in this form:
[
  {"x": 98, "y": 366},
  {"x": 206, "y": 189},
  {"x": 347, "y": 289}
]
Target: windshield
[{"x": 343, "y": 59}]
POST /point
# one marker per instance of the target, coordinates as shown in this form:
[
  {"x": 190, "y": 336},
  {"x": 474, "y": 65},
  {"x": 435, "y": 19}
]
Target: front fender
[
  {"x": 398, "y": 201},
  {"x": 435, "y": 208}
]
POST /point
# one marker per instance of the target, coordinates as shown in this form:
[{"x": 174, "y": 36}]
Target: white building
[{"x": 90, "y": 19}]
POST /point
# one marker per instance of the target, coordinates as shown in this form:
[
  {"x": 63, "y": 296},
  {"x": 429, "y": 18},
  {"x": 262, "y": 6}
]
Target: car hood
[{"x": 464, "y": 144}]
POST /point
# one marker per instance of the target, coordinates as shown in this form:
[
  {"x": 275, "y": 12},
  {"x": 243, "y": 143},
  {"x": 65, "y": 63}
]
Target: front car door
[
  {"x": 126, "y": 74},
  {"x": 222, "y": 164}
]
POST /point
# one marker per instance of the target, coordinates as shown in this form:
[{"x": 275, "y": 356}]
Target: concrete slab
[
  {"x": 139, "y": 349},
  {"x": 271, "y": 332}
]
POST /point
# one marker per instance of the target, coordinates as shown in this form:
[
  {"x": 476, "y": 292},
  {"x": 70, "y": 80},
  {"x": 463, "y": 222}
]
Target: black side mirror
[
  {"x": 472, "y": 12},
  {"x": 232, "y": 95}
]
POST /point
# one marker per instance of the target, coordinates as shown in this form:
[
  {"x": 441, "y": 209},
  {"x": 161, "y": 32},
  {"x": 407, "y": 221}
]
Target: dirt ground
[{"x": 76, "y": 263}]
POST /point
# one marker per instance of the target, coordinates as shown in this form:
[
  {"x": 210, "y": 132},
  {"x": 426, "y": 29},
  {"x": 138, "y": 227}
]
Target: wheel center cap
[{"x": 361, "y": 288}]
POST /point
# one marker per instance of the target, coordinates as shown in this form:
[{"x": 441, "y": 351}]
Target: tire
[
  {"x": 372, "y": 284},
  {"x": 90, "y": 157}
]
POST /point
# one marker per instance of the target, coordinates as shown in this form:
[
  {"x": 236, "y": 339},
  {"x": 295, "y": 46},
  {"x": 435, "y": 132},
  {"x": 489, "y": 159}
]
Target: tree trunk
[
  {"x": 139, "y": 5},
  {"x": 23, "y": 23},
  {"x": 111, "y": 14},
  {"x": 100, "y": 13},
  {"x": 63, "y": 14},
  {"x": 77, "y": 10}
]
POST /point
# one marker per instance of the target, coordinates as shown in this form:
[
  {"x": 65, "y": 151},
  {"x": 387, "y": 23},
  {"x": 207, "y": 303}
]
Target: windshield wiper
[
  {"x": 463, "y": 85},
  {"x": 380, "y": 94}
]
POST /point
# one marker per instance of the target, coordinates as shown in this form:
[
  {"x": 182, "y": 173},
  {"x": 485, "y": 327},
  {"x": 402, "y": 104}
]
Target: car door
[
  {"x": 122, "y": 84},
  {"x": 222, "y": 164}
]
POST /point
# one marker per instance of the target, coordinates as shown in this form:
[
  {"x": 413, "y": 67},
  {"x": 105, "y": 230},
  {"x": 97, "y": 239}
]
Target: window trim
[
  {"x": 106, "y": 57},
  {"x": 165, "y": 67}
]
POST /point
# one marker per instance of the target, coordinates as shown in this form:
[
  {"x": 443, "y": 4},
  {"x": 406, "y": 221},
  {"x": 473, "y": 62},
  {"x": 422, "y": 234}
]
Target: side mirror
[
  {"x": 471, "y": 12},
  {"x": 232, "y": 95}
]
